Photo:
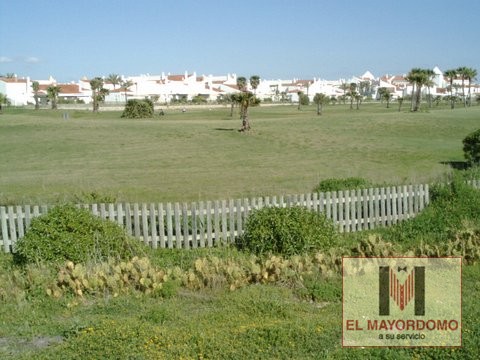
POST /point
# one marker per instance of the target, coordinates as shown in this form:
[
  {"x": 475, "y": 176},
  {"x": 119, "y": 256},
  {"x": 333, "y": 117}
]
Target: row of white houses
[{"x": 165, "y": 88}]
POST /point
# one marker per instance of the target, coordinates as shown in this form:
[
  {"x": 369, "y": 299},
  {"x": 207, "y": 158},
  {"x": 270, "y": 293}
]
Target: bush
[
  {"x": 452, "y": 206},
  {"x": 70, "y": 233},
  {"x": 138, "y": 109},
  {"x": 287, "y": 231},
  {"x": 342, "y": 184},
  {"x": 471, "y": 147}
]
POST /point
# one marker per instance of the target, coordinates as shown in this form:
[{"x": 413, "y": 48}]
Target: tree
[
  {"x": 365, "y": 88},
  {"x": 451, "y": 75},
  {"x": 462, "y": 71},
  {"x": 246, "y": 99},
  {"x": 302, "y": 99},
  {"x": 98, "y": 92},
  {"x": 52, "y": 94},
  {"x": 352, "y": 93},
  {"x": 429, "y": 83},
  {"x": 418, "y": 78},
  {"x": 232, "y": 99},
  {"x": 385, "y": 95},
  {"x": 3, "y": 101},
  {"x": 138, "y": 109},
  {"x": 36, "y": 88},
  {"x": 471, "y": 74},
  {"x": 320, "y": 100},
  {"x": 114, "y": 79},
  {"x": 400, "y": 102},
  {"x": 471, "y": 147},
  {"x": 381, "y": 91},
  {"x": 242, "y": 83},
  {"x": 254, "y": 82},
  {"x": 126, "y": 85}
]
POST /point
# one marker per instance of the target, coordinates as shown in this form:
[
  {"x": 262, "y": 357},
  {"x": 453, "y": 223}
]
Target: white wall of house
[{"x": 16, "y": 90}]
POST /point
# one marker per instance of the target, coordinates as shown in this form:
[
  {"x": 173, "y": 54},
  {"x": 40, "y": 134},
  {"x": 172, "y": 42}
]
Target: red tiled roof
[
  {"x": 176, "y": 77},
  {"x": 13, "y": 80},
  {"x": 69, "y": 88},
  {"x": 64, "y": 88},
  {"x": 304, "y": 82}
]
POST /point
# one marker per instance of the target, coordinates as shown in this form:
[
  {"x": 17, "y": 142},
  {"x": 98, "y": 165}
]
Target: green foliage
[
  {"x": 319, "y": 289},
  {"x": 471, "y": 147},
  {"x": 69, "y": 233},
  {"x": 303, "y": 99},
  {"x": 199, "y": 99},
  {"x": 287, "y": 231},
  {"x": 351, "y": 183},
  {"x": 452, "y": 206},
  {"x": 138, "y": 109}
]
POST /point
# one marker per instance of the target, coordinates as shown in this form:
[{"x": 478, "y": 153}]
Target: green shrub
[
  {"x": 452, "y": 205},
  {"x": 287, "y": 231},
  {"x": 138, "y": 109},
  {"x": 342, "y": 184},
  {"x": 471, "y": 147},
  {"x": 69, "y": 233}
]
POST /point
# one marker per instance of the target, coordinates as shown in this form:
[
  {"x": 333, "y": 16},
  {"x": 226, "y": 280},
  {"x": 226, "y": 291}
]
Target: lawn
[{"x": 199, "y": 155}]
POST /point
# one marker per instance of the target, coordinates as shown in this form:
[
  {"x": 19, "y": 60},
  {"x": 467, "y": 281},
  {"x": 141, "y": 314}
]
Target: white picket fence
[{"x": 214, "y": 223}]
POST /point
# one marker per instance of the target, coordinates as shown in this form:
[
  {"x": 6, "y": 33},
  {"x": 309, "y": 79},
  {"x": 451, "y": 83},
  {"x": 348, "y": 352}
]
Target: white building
[{"x": 168, "y": 87}]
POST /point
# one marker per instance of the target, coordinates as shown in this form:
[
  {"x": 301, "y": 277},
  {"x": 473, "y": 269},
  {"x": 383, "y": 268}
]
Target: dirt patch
[{"x": 15, "y": 345}]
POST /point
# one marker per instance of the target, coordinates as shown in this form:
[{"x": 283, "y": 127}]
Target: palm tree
[
  {"x": 242, "y": 83},
  {"x": 352, "y": 93},
  {"x": 98, "y": 92},
  {"x": 320, "y": 100},
  {"x": 254, "y": 82},
  {"x": 233, "y": 99},
  {"x": 52, "y": 94},
  {"x": 114, "y": 79},
  {"x": 126, "y": 85},
  {"x": 246, "y": 99},
  {"x": 400, "y": 102},
  {"x": 462, "y": 71},
  {"x": 418, "y": 78},
  {"x": 451, "y": 75},
  {"x": 300, "y": 94},
  {"x": 471, "y": 73},
  {"x": 36, "y": 88},
  {"x": 429, "y": 83},
  {"x": 387, "y": 96}
]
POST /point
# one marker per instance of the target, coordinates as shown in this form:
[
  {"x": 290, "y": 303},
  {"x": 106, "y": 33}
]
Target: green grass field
[{"x": 199, "y": 155}]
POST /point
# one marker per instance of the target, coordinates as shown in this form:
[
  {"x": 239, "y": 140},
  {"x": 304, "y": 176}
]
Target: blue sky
[{"x": 272, "y": 38}]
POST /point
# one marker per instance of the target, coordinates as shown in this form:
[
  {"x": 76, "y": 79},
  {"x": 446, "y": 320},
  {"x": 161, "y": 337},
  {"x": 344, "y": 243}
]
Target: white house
[{"x": 17, "y": 90}]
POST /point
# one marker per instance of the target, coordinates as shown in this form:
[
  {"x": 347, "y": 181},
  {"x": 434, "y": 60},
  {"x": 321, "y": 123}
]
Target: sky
[{"x": 275, "y": 39}]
